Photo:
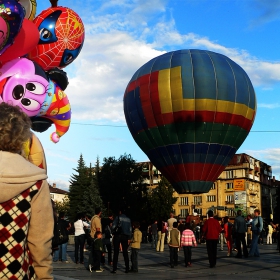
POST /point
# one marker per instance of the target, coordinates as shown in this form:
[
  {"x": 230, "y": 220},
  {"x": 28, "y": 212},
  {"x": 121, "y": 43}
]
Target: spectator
[
  {"x": 135, "y": 246},
  {"x": 121, "y": 230},
  {"x": 154, "y": 231},
  {"x": 257, "y": 226},
  {"x": 63, "y": 227},
  {"x": 211, "y": 231},
  {"x": 187, "y": 241},
  {"x": 161, "y": 237},
  {"x": 173, "y": 241},
  {"x": 27, "y": 228},
  {"x": 80, "y": 234},
  {"x": 240, "y": 229}
]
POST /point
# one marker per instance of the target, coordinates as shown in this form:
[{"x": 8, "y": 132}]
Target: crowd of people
[{"x": 110, "y": 236}]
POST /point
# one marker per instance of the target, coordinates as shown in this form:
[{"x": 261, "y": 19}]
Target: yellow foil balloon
[{"x": 30, "y": 8}]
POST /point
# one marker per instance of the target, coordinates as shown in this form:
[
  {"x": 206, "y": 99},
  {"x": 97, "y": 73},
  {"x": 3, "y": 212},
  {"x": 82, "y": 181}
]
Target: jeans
[
  {"x": 254, "y": 250},
  {"x": 188, "y": 254},
  {"x": 117, "y": 240},
  {"x": 79, "y": 246},
  {"x": 60, "y": 254},
  {"x": 154, "y": 240},
  {"x": 160, "y": 242},
  {"x": 173, "y": 256},
  {"x": 134, "y": 259}
]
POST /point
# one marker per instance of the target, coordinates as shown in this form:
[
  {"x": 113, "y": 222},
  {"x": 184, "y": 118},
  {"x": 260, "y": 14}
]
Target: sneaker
[
  {"x": 65, "y": 261},
  {"x": 114, "y": 271},
  {"x": 90, "y": 267},
  {"x": 98, "y": 270}
]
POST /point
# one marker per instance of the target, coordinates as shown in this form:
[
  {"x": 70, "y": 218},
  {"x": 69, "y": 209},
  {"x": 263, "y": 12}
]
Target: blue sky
[{"x": 122, "y": 35}]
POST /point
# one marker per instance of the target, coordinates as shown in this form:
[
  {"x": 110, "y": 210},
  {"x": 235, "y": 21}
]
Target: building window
[
  {"x": 52, "y": 196},
  {"x": 229, "y": 186},
  {"x": 229, "y": 174},
  {"x": 229, "y": 199},
  {"x": 198, "y": 211},
  {"x": 231, "y": 213},
  {"x": 184, "y": 201},
  {"x": 184, "y": 212},
  {"x": 197, "y": 200},
  {"x": 213, "y": 187},
  {"x": 211, "y": 198}
]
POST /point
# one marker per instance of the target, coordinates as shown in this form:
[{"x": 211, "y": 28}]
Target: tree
[
  {"x": 63, "y": 206},
  {"x": 91, "y": 196},
  {"x": 121, "y": 185},
  {"x": 161, "y": 200},
  {"x": 78, "y": 185}
]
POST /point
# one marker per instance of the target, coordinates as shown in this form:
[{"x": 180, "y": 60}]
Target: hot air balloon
[{"x": 189, "y": 111}]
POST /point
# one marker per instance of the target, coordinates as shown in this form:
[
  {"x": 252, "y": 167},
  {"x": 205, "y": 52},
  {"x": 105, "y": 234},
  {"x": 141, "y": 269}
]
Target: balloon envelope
[{"x": 189, "y": 111}]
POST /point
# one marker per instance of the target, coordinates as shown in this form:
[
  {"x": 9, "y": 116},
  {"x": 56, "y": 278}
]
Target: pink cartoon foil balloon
[{"x": 24, "y": 83}]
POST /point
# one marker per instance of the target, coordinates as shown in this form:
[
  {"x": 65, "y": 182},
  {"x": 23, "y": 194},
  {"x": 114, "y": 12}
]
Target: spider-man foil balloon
[{"x": 61, "y": 38}]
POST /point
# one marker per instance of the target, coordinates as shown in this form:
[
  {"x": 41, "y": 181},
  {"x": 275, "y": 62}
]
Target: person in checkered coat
[{"x": 26, "y": 216}]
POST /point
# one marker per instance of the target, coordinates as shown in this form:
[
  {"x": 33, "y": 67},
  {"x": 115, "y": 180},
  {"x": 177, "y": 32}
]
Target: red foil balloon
[{"x": 61, "y": 38}]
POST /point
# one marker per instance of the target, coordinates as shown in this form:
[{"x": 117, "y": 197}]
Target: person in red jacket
[{"x": 211, "y": 231}]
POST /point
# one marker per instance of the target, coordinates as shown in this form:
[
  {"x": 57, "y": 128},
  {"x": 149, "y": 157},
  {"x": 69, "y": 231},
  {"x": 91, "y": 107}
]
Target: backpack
[
  {"x": 62, "y": 232},
  {"x": 118, "y": 229}
]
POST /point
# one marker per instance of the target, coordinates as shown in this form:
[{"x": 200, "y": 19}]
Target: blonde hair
[{"x": 14, "y": 128}]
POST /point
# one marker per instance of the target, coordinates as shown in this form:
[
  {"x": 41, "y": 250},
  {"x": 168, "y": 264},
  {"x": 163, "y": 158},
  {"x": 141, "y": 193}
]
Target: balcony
[
  {"x": 250, "y": 176},
  {"x": 229, "y": 202},
  {"x": 230, "y": 190}
]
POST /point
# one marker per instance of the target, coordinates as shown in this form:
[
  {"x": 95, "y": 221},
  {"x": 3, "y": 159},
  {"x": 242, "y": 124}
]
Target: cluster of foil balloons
[{"x": 33, "y": 52}]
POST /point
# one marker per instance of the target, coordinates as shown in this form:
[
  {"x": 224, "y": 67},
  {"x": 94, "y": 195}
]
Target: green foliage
[
  {"x": 161, "y": 200},
  {"x": 120, "y": 182},
  {"x": 63, "y": 206}
]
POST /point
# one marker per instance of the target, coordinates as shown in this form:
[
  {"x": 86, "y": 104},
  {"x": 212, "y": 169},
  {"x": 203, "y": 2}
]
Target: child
[
  {"x": 135, "y": 246},
  {"x": 187, "y": 240},
  {"x": 173, "y": 241},
  {"x": 97, "y": 252}
]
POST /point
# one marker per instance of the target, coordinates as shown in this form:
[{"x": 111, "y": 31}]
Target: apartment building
[{"x": 245, "y": 184}]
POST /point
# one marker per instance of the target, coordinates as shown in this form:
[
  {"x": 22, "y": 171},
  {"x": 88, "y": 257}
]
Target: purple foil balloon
[{"x": 11, "y": 17}]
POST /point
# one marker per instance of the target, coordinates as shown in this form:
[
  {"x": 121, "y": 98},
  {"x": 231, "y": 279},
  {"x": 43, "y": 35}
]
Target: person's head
[
  {"x": 249, "y": 217},
  {"x": 171, "y": 215},
  {"x": 79, "y": 216},
  {"x": 210, "y": 213},
  {"x": 98, "y": 234},
  {"x": 226, "y": 219},
  {"x": 187, "y": 226},
  {"x": 14, "y": 128},
  {"x": 239, "y": 212},
  {"x": 257, "y": 212},
  {"x": 136, "y": 224},
  {"x": 175, "y": 225},
  {"x": 61, "y": 215},
  {"x": 97, "y": 211}
]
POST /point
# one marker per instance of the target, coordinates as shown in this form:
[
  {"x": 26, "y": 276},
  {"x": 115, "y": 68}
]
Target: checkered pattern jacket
[{"x": 15, "y": 258}]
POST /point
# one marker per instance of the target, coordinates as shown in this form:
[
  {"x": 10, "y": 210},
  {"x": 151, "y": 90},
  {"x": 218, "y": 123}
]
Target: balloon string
[{"x": 54, "y": 3}]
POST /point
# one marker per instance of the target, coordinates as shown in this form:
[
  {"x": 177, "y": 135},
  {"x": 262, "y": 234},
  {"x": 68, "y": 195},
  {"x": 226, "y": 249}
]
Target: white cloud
[
  {"x": 60, "y": 184},
  {"x": 123, "y": 35},
  {"x": 269, "y": 106}
]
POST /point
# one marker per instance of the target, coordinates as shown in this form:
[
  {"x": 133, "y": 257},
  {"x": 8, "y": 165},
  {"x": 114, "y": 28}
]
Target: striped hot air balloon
[{"x": 189, "y": 111}]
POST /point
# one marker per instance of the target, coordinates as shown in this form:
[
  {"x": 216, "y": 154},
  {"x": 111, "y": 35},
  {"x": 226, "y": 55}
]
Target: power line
[{"x": 110, "y": 125}]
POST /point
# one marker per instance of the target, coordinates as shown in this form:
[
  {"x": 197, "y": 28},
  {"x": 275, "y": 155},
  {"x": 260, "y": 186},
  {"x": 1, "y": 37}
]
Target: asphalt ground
[{"x": 155, "y": 265}]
